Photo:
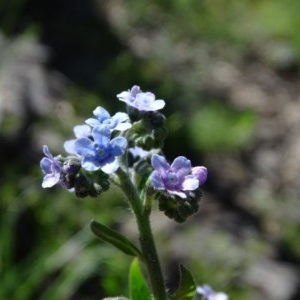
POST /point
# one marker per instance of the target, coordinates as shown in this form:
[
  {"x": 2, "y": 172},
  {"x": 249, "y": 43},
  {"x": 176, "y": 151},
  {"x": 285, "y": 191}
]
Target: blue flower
[
  {"x": 100, "y": 152},
  {"x": 176, "y": 178},
  {"x": 80, "y": 131},
  {"x": 115, "y": 122},
  {"x": 51, "y": 169},
  {"x": 141, "y": 101},
  {"x": 209, "y": 293}
]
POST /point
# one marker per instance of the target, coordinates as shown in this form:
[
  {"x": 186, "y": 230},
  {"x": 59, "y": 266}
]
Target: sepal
[{"x": 177, "y": 208}]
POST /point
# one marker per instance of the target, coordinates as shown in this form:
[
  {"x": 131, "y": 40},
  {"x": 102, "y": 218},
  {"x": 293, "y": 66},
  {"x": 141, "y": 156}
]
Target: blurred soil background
[{"x": 229, "y": 73}]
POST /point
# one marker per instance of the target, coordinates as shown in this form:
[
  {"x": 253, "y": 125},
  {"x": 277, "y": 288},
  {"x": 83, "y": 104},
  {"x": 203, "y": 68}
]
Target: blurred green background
[{"x": 229, "y": 73}]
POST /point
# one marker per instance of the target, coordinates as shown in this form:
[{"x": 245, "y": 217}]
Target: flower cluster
[
  {"x": 134, "y": 139},
  {"x": 126, "y": 149}
]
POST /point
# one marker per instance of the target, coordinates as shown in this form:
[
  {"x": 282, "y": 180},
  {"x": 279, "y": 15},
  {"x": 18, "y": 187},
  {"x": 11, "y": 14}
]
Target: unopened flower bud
[
  {"x": 72, "y": 166},
  {"x": 82, "y": 186},
  {"x": 156, "y": 118}
]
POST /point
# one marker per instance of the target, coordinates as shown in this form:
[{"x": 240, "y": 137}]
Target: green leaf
[
  {"x": 137, "y": 284},
  {"x": 187, "y": 286},
  {"x": 114, "y": 238}
]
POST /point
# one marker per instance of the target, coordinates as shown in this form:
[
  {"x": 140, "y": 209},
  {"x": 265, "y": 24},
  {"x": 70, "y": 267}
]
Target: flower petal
[
  {"x": 200, "y": 173},
  {"x": 135, "y": 90},
  {"x": 50, "y": 180},
  {"x": 190, "y": 183},
  {"x": 219, "y": 296},
  {"x": 159, "y": 163},
  {"x": 70, "y": 146},
  {"x": 118, "y": 146},
  {"x": 93, "y": 122},
  {"x": 47, "y": 152},
  {"x": 181, "y": 166},
  {"x": 120, "y": 117},
  {"x": 101, "y": 135},
  {"x": 84, "y": 146},
  {"x": 157, "y": 105},
  {"x": 110, "y": 167},
  {"x": 82, "y": 131},
  {"x": 125, "y": 97},
  {"x": 156, "y": 181},
  {"x": 89, "y": 164},
  {"x": 123, "y": 126},
  {"x": 45, "y": 165},
  {"x": 101, "y": 114},
  {"x": 178, "y": 193}
]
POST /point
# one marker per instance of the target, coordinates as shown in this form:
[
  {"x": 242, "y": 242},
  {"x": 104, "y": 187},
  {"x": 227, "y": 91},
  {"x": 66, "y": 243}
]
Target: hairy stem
[{"x": 145, "y": 236}]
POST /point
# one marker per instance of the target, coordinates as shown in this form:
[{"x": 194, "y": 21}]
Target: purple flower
[
  {"x": 80, "y": 131},
  {"x": 51, "y": 169},
  {"x": 115, "y": 122},
  {"x": 141, "y": 101},
  {"x": 210, "y": 294},
  {"x": 175, "y": 179},
  {"x": 100, "y": 152}
]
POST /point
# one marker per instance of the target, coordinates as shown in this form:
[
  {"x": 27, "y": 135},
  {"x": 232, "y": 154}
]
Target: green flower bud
[
  {"x": 177, "y": 208},
  {"x": 82, "y": 186}
]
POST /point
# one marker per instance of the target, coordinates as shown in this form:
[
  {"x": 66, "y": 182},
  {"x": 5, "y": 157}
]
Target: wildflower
[
  {"x": 140, "y": 100},
  {"x": 80, "y": 131},
  {"x": 116, "y": 122},
  {"x": 51, "y": 169},
  {"x": 100, "y": 152},
  {"x": 210, "y": 294},
  {"x": 175, "y": 179}
]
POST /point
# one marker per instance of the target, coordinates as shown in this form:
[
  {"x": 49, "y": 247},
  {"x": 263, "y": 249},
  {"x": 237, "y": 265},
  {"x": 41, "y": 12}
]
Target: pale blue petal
[
  {"x": 156, "y": 181},
  {"x": 47, "y": 152},
  {"x": 82, "y": 131},
  {"x": 219, "y": 296},
  {"x": 157, "y": 105},
  {"x": 120, "y": 117},
  {"x": 135, "y": 90},
  {"x": 45, "y": 165},
  {"x": 92, "y": 122},
  {"x": 50, "y": 180},
  {"x": 70, "y": 146},
  {"x": 190, "y": 183},
  {"x": 181, "y": 166},
  {"x": 118, "y": 146},
  {"x": 159, "y": 163},
  {"x": 125, "y": 97},
  {"x": 111, "y": 123},
  {"x": 205, "y": 290},
  {"x": 101, "y": 135},
  {"x": 123, "y": 126},
  {"x": 110, "y": 167},
  {"x": 178, "y": 193},
  {"x": 144, "y": 100},
  {"x": 89, "y": 163},
  {"x": 101, "y": 114},
  {"x": 84, "y": 146}
]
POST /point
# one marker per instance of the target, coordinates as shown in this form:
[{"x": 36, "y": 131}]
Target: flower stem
[{"x": 145, "y": 236}]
